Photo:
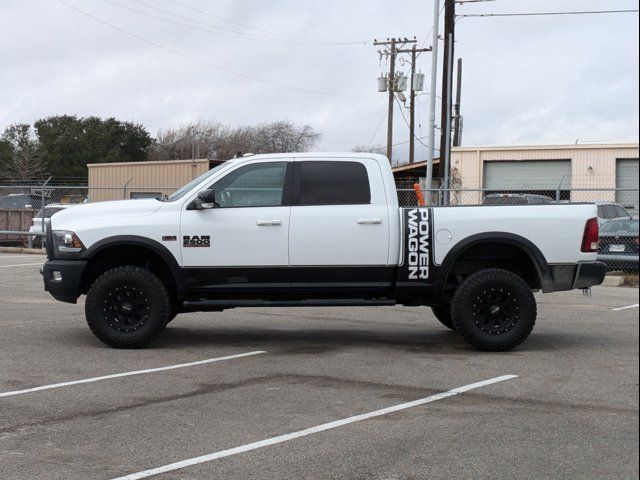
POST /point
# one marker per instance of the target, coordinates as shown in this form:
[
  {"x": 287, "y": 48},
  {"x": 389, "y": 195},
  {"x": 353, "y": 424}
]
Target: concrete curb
[
  {"x": 613, "y": 281},
  {"x": 26, "y": 251}
]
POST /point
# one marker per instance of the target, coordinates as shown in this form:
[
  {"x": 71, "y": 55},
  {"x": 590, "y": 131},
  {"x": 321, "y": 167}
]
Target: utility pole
[
  {"x": 447, "y": 73},
  {"x": 392, "y": 52},
  {"x": 415, "y": 87},
  {"x": 447, "y": 123},
  {"x": 432, "y": 101},
  {"x": 412, "y": 108},
  {"x": 457, "y": 119}
]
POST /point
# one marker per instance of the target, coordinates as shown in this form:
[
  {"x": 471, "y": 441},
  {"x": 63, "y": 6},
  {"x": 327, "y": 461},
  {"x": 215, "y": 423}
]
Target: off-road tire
[
  {"x": 127, "y": 307},
  {"x": 443, "y": 314},
  {"x": 491, "y": 292}
]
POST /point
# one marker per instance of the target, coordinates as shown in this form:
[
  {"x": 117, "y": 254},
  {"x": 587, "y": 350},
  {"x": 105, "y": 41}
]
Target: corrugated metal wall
[
  {"x": 107, "y": 180},
  {"x": 627, "y": 177},
  {"x": 527, "y": 175},
  {"x": 592, "y": 166}
]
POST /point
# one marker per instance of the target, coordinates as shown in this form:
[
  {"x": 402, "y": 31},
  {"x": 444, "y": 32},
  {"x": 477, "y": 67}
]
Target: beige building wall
[
  {"x": 107, "y": 180},
  {"x": 592, "y": 166}
]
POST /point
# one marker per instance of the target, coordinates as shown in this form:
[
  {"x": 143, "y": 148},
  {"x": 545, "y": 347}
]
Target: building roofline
[
  {"x": 411, "y": 166},
  {"x": 148, "y": 162},
  {"x": 568, "y": 146}
]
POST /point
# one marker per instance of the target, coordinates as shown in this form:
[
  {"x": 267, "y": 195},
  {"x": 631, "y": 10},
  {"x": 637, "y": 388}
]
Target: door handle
[
  {"x": 274, "y": 222},
  {"x": 369, "y": 221}
]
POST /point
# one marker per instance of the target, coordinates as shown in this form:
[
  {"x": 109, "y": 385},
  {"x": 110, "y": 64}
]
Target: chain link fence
[{"x": 23, "y": 221}]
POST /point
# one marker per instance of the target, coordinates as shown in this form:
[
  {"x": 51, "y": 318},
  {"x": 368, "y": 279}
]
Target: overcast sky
[{"x": 526, "y": 79}]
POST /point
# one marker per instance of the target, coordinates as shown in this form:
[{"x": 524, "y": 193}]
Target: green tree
[
  {"x": 69, "y": 143},
  {"x": 20, "y": 154}
]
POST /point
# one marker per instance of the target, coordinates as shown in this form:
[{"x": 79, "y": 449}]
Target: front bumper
[
  {"x": 68, "y": 287},
  {"x": 582, "y": 275}
]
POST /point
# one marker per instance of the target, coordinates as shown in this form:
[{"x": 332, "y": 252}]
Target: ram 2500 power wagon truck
[{"x": 315, "y": 230}]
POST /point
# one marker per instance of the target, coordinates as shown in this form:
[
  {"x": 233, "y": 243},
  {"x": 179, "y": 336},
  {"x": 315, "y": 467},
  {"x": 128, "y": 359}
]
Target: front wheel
[
  {"x": 127, "y": 307},
  {"x": 494, "y": 310}
]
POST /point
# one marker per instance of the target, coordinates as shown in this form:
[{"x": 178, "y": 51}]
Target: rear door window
[{"x": 332, "y": 183}]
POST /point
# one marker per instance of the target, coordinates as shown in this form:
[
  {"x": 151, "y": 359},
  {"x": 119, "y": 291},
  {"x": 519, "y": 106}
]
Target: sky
[{"x": 162, "y": 63}]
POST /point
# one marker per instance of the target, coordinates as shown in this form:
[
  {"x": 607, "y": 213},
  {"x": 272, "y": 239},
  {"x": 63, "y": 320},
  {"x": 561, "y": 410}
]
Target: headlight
[{"x": 66, "y": 244}]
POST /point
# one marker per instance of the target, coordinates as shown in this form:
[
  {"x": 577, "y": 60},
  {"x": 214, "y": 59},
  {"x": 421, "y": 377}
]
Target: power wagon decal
[
  {"x": 416, "y": 248},
  {"x": 203, "y": 241}
]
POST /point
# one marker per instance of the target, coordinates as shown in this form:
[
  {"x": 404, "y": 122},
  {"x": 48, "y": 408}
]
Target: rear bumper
[
  {"x": 581, "y": 275},
  {"x": 589, "y": 274},
  {"x": 68, "y": 288},
  {"x": 628, "y": 258}
]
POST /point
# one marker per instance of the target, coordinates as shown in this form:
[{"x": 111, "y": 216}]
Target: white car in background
[{"x": 36, "y": 222}]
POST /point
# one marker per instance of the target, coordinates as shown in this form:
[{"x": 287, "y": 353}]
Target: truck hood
[{"x": 93, "y": 212}]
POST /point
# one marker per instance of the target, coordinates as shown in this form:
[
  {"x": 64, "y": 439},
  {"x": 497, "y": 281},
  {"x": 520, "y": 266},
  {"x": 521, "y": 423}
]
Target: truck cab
[{"x": 306, "y": 230}]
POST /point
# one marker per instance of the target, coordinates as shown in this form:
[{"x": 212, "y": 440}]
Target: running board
[{"x": 212, "y": 305}]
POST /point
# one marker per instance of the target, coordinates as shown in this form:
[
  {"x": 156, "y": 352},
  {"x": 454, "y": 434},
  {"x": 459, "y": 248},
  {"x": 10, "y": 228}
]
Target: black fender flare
[
  {"x": 138, "y": 241},
  {"x": 543, "y": 271}
]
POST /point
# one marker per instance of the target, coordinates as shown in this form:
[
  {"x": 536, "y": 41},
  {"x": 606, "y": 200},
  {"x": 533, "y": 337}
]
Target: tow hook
[{"x": 586, "y": 292}]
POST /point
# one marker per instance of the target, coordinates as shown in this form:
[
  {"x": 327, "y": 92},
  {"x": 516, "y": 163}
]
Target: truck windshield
[{"x": 182, "y": 191}]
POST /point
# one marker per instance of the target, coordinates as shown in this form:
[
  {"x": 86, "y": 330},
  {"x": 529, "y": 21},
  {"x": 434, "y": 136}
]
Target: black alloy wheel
[
  {"x": 127, "y": 307},
  {"x": 494, "y": 310}
]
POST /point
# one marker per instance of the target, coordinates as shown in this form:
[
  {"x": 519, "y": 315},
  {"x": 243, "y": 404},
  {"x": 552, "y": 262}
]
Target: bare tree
[
  {"x": 215, "y": 140},
  {"x": 194, "y": 140},
  {"x": 368, "y": 149},
  {"x": 24, "y": 161}
]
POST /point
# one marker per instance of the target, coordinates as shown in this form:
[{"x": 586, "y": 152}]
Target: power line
[
  {"x": 538, "y": 14},
  {"x": 407, "y": 122},
  {"x": 380, "y": 149},
  {"x": 292, "y": 37},
  {"x": 224, "y": 32},
  {"x": 376, "y": 130},
  {"x": 238, "y": 33},
  {"x": 426, "y": 38},
  {"x": 205, "y": 63}
]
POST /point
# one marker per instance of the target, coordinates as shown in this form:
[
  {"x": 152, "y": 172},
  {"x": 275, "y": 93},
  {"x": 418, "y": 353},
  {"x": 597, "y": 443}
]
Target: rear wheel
[
  {"x": 127, "y": 307},
  {"x": 494, "y": 310},
  {"x": 443, "y": 314}
]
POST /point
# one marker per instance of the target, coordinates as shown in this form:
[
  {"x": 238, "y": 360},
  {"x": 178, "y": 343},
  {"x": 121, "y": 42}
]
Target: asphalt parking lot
[{"x": 256, "y": 393}]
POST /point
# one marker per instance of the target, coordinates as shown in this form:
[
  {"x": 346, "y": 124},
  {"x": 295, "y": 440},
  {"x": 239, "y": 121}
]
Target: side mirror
[
  {"x": 208, "y": 199},
  {"x": 205, "y": 200}
]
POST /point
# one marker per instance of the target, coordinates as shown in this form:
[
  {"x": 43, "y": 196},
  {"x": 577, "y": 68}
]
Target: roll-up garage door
[
  {"x": 527, "y": 175},
  {"x": 627, "y": 177}
]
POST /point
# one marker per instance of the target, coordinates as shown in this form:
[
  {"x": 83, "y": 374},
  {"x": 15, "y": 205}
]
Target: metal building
[
  {"x": 582, "y": 172},
  {"x": 115, "y": 181}
]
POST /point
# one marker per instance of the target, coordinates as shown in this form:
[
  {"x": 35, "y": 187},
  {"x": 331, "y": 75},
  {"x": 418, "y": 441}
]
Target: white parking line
[
  {"x": 29, "y": 256},
  {"x": 21, "y": 265},
  {"x": 127, "y": 374},
  {"x": 635, "y": 305},
  {"x": 309, "y": 431}
]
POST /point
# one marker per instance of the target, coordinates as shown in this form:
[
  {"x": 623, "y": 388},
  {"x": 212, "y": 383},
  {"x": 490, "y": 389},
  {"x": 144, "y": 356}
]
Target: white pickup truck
[{"x": 315, "y": 229}]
